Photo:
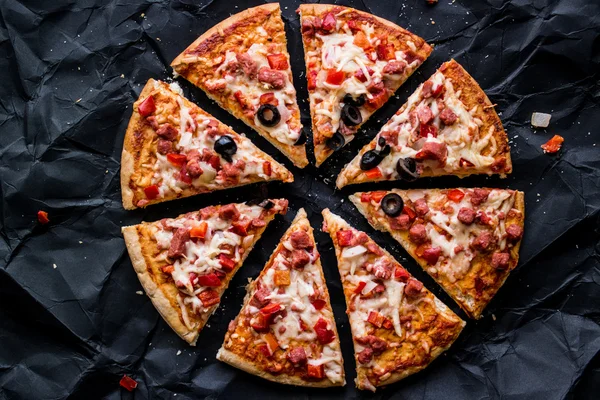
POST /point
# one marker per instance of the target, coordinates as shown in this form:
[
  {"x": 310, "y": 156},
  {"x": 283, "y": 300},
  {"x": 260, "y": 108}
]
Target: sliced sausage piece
[
  {"x": 299, "y": 259},
  {"x": 394, "y": 67},
  {"x": 479, "y": 196},
  {"x": 231, "y": 171},
  {"x": 382, "y": 270},
  {"x": 297, "y": 356},
  {"x": 417, "y": 233},
  {"x": 401, "y": 222},
  {"x": 229, "y": 212},
  {"x": 448, "y": 117},
  {"x": 365, "y": 356},
  {"x": 301, "y": 240},
  {"x": 329, "y": 23},
  {"x": 164, "y": 146},
  {"x": 360, "y": 238},
  {"x": 167, "y": 131},
  {"x": 421, "y": 207},
  {"x": 432, "y": 255},
  {"x": 466, "y": 215},
  {"x": 193, "y": 169},
  {"x": 378, "y": 345},
  {"x": 514, "y": 233},
  {"x": 425, "y": 115},
  {"x": 249, "y": 66},
  {"x": 500, "y": 260},
  {"x": 259, "y": 300},
  {"x": 484, "y": 241},
  {"x": 273, "y": 78},
  {"x": 426, "y": 90},
  {"x": 433, "y": 151},
  {"x": 177, "y": 248},
  {"x": 413, "y": 288}
]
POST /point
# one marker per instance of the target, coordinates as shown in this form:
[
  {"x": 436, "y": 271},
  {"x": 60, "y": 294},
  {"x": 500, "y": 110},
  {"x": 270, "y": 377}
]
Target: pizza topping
[
  {"x": 418, "y": 233},
  {"x": 421, "y": 207},
  {"x": 479, "y": 196},
  {"x": 249, "y": 66},
  {"x": 357, "y": 102},
  {"x": 448, "y": 117},
  {"x": 315, "y": 371},
  {"x": 540, "y": 120},
  {"x": 432, "y": 255},
  {"x": 167, "y": 132},
  {"x": 370, "y": 160},
  {"x": 209, "y": 297},
  {"x": 500, "y": 260},
  {"x": 365, "y": 356},
  {"x": 324, "y": 334},
  {"x": 225, "y": 146},
  {"x": 351, "y": 115},
  {"x": 177, "y": 247},
  {"x": 272, "y": 78},
  {"x": 514, "y": 233},
  {"x": 553, "y": 145},
  {"x": 392, "y": 204},
  {"x": 395, "y": 67},
  {"x": 413, "y": 288},
  {"x": 147, "y": 107},
  {"x": 268, "y": 115},
  {"x": 301, "y": 240},
  {"x": 128, "y": 383},
  {"x": 297, "y": 355},
  {"x": 483, "y": 241},
  {"x": 466, "y": 215},
  {"x": 42, "y": 217},
  {"x": 278, "y": 61},
  {"x": 336, "y": 142}
]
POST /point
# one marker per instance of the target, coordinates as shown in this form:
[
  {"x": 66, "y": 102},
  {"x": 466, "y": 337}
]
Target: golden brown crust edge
[
  {"x": 474, "y": 313},
  {"x": 330, "y": 219},
  {"x": 297, "y": 154},
  {"x": 238, "y": 362},
  {"x": 158, "y": 298}
]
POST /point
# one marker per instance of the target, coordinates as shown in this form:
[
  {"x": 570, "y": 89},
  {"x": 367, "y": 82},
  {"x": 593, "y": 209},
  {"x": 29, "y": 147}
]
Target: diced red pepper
[
  {"x": 427, "y": 130},
  {"x": 386, "y": 52},
  {"x": 209, "y": 297},
  {"x": 401, "y": 274},
  {"x": 455, "y": 195},
  {"x": 147, "y": 107},
  {"x": 318, "y": 304},
  {"x": 128, "y": 383},
  {"x": 335, "y": 77},
  {"x": 167, "y": 269},
  {"x": 264, "y": 349},
  {"x": 387, "y": 324},
  {"x": 435, "y": 92},
  {"x": 259, "y": 323},
  {"x": 378, "y": 195},
  {"x": 303, "y": 326},
  {"x": 241, "y": 99},
  {"x": 315, "y": 371},
  {"x": 209, "y": 280},
  {"x": 359, "y": 288},
  {"x": 42, "y": 217},
  {"x": 226, "y": 263},
  {"x": 241, "y": 227},
  {"x": 374, "y": 173},
  {"x": 410, "y": 212},
  {"x": 375, "y": 318},
  {"x": 199, "y": 231},
  {"x": 270, "y": 309},
  {"x": 151, "y": 192},
  {"x": 344, "y": 237},
  {"x": 365, "y": 197},
  {"x": 329, "y": 22},
  {"x": 176, "y": 159},
  {"x": 360, "y": 39},
  {"x": 268, "y": 98},
  {"x": 431, "y": 255},
  {"x": 377, "y": 100},
  {"x": 553, "y": 145},
  {"x": 272, "y": 343},
  {"x": 311, "y": 78},
  {"x": 324, "y": 335},
  {"x": 353, "y": 26},
  {"x": 267, "y": 168},
  {"x": 278, "y": 61}
]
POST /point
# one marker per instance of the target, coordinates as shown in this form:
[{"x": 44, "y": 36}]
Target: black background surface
[{"x": 70, "y": 71}]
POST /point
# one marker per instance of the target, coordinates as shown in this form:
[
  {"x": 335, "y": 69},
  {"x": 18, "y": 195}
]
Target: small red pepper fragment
[
  {"x": 455, "y": 195},
  {"x": 410, "y": 212},
  {"x": 315, "y": 371},
  {"x": 209, "y": 280},
  {"x": 227, "y": 263},
  {"x": 553, "y": 145},
  {"x": 278, "y": 61},
  {"x": 147, "y": 106},
  {"x": 318, "y": 304},
  {"x": 378, "y": 195},
  {"x": 209, "y": 298},
  {"x": 176, "y": 159},
  {"x": 151, "y": 192},
  {"x": 374, "y": 173},
  {"x": 324, "y": 335},
  {"x": 267, "y": 168},
  {"x": 42, "y": 217},
  {"x": 344, "y": 237},
  {"x": 335, "y": 77},
  {"x": 199, "y": 231},
  {"x": 167, "y": 269},
  {"x": 359, "y": 288},
  {"x": 128, "y": 383}
]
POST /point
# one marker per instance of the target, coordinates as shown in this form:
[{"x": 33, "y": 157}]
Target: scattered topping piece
[
  {"x": 324, "y": 335},
  {"x": 413, "y": 288},
  {"x": 540, "y": 120},
  {"x": 151, "y": 192},
  {"x": 370, "y": 160},
  {"x": 225, "y": 146},
  {"x": 407, "y": 169},
  {"x": 553, "y": 145},
  {"x": 336, "y": 142},
  {"x": 177, "y": 159},
  {"x": 301, "y": 240},
  {"x": 392, "y": 204},
  {"x": 315, "y": 371},
  {"x": 500, "y": 260},
  {"x": 226, "y": 263},
  {"x": 128, "y": 383},
  {"x": 282, "y": 278},
  {"x": 418, "y": 233},
  {"x": 268, "y": 115},
  {"x": 177, "y": 247},
  {"x": 42, "y": 217},
  {"x": 147, "y": 107},
  {"x": 199, "y": 231},
  {"x": 514, "y": 232},
  {"x": 209, "y": 297},
  {"x": 431, "y": 255},
  {"x": 335, "y": 77},
  {"x": 455, "y": 195},
  {"x": 351, "y": 115},
  {"x": 209, "y": 280},
  {"x": 278, "y": 61},
  {"x": 297, "y": 355}
]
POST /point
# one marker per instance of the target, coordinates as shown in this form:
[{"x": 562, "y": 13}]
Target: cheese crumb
[
  {"x": 178, "y": 352},
  {"x": 54, "y": 266},
  {"x": 139, "y": 292},
  {"x": 540, "y": 120}
]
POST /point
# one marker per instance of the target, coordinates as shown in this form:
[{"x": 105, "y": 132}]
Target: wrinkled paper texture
[{"x": 73, "y": 315}]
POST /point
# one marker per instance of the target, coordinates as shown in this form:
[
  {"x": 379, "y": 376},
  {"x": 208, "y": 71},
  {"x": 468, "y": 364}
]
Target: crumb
[{"x": 54, "y": 266}]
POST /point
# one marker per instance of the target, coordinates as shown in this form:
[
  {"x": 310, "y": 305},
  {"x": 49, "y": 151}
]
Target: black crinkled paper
[{"x": 73, "y": 318}]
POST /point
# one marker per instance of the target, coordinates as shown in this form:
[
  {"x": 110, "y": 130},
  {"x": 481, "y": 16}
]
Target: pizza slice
[
  {"x": 447, "y": 127},
  {"x": 286, "y": 331},
  {"x": 174, "y": 149},
  {"x": 355, "y": 62},
  {"x": 243, "y": 64},
  {"x": 467, "y": 239},
  {"x": 186, "y": 263},
  {"x": 398, "y": 326}
]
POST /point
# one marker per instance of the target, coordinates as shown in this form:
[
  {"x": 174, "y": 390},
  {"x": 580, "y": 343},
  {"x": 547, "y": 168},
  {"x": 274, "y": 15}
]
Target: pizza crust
[
  {"x": 297, "y": 154},
  {"x": 456, "y": 295}
]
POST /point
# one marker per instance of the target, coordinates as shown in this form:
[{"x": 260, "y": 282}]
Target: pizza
[
  {"x": 355, "y": 62},
  {"x": 448, "y": 126},
  {"x": 186, "y": 263},
  {"x": 243, "y": 64},
  {"x": 286, "y": 330},
  {"x": 398, "y": 326},
  {"x": 174, "y": 149},
  {"x": 467, "y": 239}
]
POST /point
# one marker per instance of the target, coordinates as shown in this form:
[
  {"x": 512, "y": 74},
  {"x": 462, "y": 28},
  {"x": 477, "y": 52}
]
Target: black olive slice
[
  {"x": 225, "y": 146},
  {"x": 385, "y": 151},
  {"x": 351, "y": 115},
  {"x": 359, "y": 101},
  {"x": 336, "y": 142},
  {"x": 254, "y": 202},
  {"x": 392, "y": 204},
  {"x": 370, "y": 160},
  {"x": 267, "y": 204},
  {"x": 268, "y": 115},
  {"x": 381, "y": 141},
  {"x": 301, "y": 139},
  {"x": 407, "y": 169}
]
